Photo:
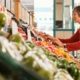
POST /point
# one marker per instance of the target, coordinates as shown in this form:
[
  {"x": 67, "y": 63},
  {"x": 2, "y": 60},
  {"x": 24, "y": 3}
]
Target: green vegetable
[
  {"x": 45, "y": 74},
  {"x": 31, "y": 45},
  {"x": 15, "y": 38},
  {"x": 5, "y": 34},
  {"x": 62, "y": 63},
  {"x": 73, "y": 70},
  {"x": 2, "y": 20},
  {"x": 28, "y": 62}
]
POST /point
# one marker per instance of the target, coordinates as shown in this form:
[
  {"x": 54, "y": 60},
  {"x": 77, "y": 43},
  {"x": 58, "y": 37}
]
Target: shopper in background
[{"x": 73, "y": 43}]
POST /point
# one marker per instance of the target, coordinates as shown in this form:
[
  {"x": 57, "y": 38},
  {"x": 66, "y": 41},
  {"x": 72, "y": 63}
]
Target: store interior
[{"x": 30, "y": 40}]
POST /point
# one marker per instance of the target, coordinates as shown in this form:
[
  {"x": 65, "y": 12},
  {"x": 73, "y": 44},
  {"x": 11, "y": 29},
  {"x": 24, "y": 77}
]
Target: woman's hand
[{"x": 58, "y": 42}]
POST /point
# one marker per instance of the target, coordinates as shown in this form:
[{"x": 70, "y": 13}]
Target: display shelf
[{"x": 16, "y": 69}]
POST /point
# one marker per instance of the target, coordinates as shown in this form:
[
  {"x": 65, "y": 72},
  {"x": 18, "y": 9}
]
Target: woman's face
[{"x": 76, "y": 17}]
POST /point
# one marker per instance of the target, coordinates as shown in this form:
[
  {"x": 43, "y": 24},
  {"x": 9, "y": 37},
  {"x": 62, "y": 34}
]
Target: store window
[
  {"x": 12, "y": 6},
  {"x": 76, "y": 3},
  {"x": 59, "y": 13},
  {"x": 8, "y": 4},
  {"x": 67, "y": 14},
  {"x": 63, "y": 23},
  {"x": 43, "y": 15},
  {"x": 63, "y": 13}
]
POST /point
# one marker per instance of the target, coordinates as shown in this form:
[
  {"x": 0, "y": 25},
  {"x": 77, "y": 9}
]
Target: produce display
[
  {"x": 58, "y": 51},
  {"x": 40, "y": 60},
  {"x": 43, "y": 56},
  {"x": 35, "y": 59}
]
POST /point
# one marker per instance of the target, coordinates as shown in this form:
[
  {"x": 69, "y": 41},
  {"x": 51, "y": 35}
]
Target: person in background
[{"x": 73, "y": 43}]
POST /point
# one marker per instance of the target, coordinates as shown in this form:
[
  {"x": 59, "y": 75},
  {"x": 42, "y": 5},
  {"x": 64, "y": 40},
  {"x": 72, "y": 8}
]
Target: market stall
[{"x": 35, "y": 57}]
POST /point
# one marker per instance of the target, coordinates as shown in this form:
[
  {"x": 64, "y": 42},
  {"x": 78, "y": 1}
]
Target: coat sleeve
[
  {"x": 73, "y": 46},
  {"x": 74, "y": 38}
]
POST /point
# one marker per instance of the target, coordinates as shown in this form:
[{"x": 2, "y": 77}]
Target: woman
[{"x": 73, "y": 43}]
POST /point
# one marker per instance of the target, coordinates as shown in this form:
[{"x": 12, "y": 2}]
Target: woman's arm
[
  {"x": 73, "y": 46},
  {"x": 74, "y": 38}
]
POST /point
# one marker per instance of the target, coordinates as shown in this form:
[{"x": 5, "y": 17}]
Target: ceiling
[{"x": 28, "y": 4}]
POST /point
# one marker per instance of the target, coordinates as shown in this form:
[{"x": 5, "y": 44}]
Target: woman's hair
[{"x": 77, "y": 9}]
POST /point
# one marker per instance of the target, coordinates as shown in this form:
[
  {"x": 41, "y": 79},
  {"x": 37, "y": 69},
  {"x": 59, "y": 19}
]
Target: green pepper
[
  {"x": 15, "y": 38},
  {"x": 28, "y": 62},
  {"x": 62, "y": 63},
  {"x": 31, "y": 45},
  {"x": 73, "y": 70}
]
